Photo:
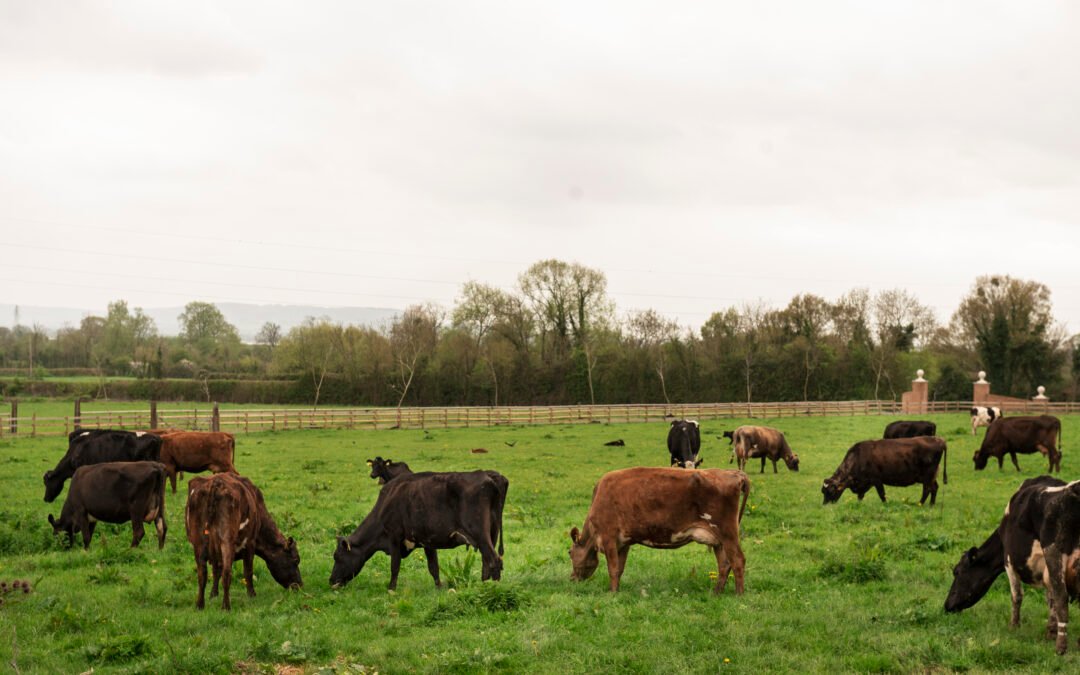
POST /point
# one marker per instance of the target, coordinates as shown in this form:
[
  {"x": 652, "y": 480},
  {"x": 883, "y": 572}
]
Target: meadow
[{"x": 850, "y": 587}]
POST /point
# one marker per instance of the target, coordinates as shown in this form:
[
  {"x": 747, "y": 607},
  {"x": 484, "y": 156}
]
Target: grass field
[{"x": 848, "y": 587}]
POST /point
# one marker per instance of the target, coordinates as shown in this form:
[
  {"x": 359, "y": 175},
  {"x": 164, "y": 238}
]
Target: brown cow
[
  {"x": 1024, "y": 435},
  {"x": 226, "y": 516},
  {"x": 891, "y": 461},
  {"x": 196, "y": 451},
  {"x": 662, "y": 508},
  {"x": 764, "y": 442}
]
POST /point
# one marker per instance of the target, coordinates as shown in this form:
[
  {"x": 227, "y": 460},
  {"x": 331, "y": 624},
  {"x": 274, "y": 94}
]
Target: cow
[
  {"x": 662, "y": 508},
  {"x": 114, "y": 492},
  {"x": 909, "y": 429},
  {"x": 196, "y": 451},
  {"x": 895, "y": 461},
  {"x": 1037, "y": 543},
  {"x": 431, "y": 511},
  {"x": 983, "y": 416},
  {"x": 227, "y": 518},
  {"x": 684, "y": 443},
  {"x": 1024, "y": 435},
  {"x": 94, "y": 446},
  {"x": 764, "y": 442},
  {"x": 387, "y": 469}
]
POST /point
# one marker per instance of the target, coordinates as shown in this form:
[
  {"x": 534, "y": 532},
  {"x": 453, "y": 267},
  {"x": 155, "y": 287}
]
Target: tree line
[{"x": 556, "y": 338}]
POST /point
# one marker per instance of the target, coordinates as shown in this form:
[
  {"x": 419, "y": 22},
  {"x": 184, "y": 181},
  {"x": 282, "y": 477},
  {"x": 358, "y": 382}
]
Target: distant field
[{"x": 848, "y": 587}]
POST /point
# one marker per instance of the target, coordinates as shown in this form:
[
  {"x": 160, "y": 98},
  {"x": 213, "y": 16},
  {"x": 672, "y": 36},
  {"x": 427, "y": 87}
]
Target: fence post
[
  {"x": 153, "y": 414},
  {"x": 215, "y": 419},
  {"x": 14, "y": 416},
  {"x": 78, "y": 412}
]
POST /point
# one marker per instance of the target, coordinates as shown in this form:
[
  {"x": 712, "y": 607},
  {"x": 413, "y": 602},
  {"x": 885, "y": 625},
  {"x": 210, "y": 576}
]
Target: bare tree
[
  {"x": 900, "y": 323},
  {"x": 752, "y": 324},
  {"x": 413, "y": 337},
  {"x": 652, "y": 332}
]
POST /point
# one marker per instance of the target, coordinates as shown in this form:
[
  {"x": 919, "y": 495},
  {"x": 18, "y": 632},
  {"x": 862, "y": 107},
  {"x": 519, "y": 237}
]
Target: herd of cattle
[{"x": 120, "y": 476}]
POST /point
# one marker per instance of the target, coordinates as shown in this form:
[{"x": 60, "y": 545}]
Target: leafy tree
[
  {"x": 208, "y": 334},
  {"x": 652, "y": 332},
  {"x": 413, "y": 338},
  {"x": 1009, "y": 324}
]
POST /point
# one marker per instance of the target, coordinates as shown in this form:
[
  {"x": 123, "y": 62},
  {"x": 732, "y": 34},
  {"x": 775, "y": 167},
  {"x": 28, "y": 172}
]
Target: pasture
[{"x": 855, "y": 586}]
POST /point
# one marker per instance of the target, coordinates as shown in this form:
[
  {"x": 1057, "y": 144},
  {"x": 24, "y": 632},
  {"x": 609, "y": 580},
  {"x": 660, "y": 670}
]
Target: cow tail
[
  {"x": 745, "y": 487},
  {"x": 945, "y": 464}
]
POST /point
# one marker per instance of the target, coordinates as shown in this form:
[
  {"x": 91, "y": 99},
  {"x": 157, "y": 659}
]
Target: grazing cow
[
  {"x": 763, "y": 442},
  {"x": 1024, "y": 435},
  {"x": 196, "y": 451},
  {"x": 94, "y": 446},
  {"x": 387, "y": 469},
  {"x": 894, "y": 461},
  {"x": 983, "y": 416},
  {"x": 431, "y": 511},
  {"x": 226, "y": 517},
  {"x": 662, "y": 508},
  {"x": 684, "y": 443},
  {"x": 909, "y": 429},
  {"x": 114, "y": 492},
  {"x": 1037, "y": 543}
]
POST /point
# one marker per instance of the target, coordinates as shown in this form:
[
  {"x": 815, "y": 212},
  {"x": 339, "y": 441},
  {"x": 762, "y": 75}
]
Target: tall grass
[{"x": 856, "y": 586}]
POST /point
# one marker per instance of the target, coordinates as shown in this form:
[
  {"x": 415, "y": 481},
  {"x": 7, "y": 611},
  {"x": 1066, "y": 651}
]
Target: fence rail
[{"x": 284, "y": 419}]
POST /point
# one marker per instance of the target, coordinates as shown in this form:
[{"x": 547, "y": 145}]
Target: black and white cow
[
  {"x": 982, "y": 416},
  {"x": 684, "y": 443},
  {"x": 1037, "y": 543}
]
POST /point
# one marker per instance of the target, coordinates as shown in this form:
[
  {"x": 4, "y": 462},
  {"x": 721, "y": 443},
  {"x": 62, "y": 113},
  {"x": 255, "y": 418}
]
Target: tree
[
  {"x": 309, "y": 348},
  {"x": 750, "y": 338},
  {"x": 567, "y": 298},
  {"x": 413, "y": 337},
  {"x": 206, "y": 331},
  {"x": 269, "y": 335},
  {"x": 900, "y": 323},
  {"x": 805, "y": 321},
  {"x": 1009, "y": 323},
  {"x": 652, "y": 332}
]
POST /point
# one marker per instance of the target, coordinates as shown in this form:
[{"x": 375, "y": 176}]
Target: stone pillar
[
  {"x": 1041, "y": 398},
  {"x": 980, "y": 393},
  {"x": 915, "y": 401}
]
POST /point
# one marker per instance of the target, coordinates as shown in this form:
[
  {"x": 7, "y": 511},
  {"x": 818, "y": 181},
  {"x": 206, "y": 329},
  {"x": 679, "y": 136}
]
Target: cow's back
[
  {"x": 111, "y": 490},
  {"x": 647, "y": 503}
]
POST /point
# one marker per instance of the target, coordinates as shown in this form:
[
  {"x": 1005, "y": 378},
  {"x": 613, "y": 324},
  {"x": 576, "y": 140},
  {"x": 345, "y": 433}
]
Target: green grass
[{"x": 848, "y": 587}]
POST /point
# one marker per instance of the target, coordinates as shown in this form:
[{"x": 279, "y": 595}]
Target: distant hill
[{"x": 248, "y": 319}]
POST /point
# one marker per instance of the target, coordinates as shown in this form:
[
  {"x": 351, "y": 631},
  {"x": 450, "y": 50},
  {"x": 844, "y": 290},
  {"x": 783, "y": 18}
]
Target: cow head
[
  {"x": 348, "y": 562},
  {"x": 583, "y": 557},
  {"x": 981, "y": 457},
  {"x": 972, "y": 578},
  {"x": 54, "y": 485},
  {"x": 284, "y": 565},
  {"x": 832, "y": 488},
  {"x": 63, "y": 525},
  {"x": 792, "y": 462},
  {"x": 380, "y": 468}
]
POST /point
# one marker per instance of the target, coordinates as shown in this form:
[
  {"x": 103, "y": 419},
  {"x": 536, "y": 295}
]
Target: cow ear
[
  {"x": 370, "y": 463},
  {"x": 389, "y": 461},
  {"x": 573, "y": 534}
]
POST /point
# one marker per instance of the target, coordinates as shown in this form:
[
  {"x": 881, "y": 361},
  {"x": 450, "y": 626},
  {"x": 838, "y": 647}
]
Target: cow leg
[
  {"x": 933, "y": 492},
  {"x": 611, "y": 553},
  {"x": 880, "y": 491},
  {"x": 138, "y": 531},
  {"x": 162, "y": 527},
  {"x": 723, "y": 569},
  {"x": 87, "y": 534},
  {"x": 249, "y": 565},
  {"x": 1001, "y": 462},
  {"x": 762, "y": 465},
  {"x": 1051, "y": 618},
  {"x": 200, "y": 566},
  {"x": 395, "y": 565},
  {"x": 734, "y": 561},
  {"x": 170, "y": 469},
  {"x": 1055, "y": 567},
  {"x": 1016, "y": 592},
  {"x": 432, "y": 555},
  {"x": 217, "y": 578},
  {"x": 1012, "y": 456}
]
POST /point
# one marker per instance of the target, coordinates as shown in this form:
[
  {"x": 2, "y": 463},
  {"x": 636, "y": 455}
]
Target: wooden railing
[{"x": 286, "y": 419}]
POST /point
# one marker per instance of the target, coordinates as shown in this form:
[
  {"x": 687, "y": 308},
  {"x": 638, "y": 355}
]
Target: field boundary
[{"x": 285, "y": 419}]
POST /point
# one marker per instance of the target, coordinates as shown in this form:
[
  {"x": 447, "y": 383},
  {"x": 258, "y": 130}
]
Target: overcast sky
[{"x": 380, "y": 154}]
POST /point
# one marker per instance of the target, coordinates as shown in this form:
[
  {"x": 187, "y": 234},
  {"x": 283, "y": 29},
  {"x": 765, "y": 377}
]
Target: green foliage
[{"x": 119, "y": 648}]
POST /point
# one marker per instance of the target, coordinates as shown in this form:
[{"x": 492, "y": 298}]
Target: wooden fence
[{"x": 285, "y": 419}]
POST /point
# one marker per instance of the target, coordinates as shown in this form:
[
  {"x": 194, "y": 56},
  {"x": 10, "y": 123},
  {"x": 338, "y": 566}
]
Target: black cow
[
  {"x": 431, "y": 511},
  {"x": 114, "y": 492},
  {"x": 94, "y": 446},
  {"x": 1037, "y": 543},
  {"x": 1024, "y": 435},
  {"x": 895, "y": 461},
  {"x": 909, "y": 429},
  {"x": 387, "y": 469},
  {"x": 684, "y": 443}
]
